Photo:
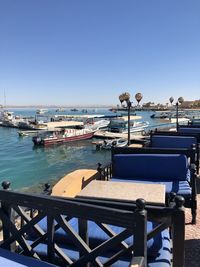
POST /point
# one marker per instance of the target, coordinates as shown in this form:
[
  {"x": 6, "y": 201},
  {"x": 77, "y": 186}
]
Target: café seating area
[
  {"x": 181, "y": 139},
  {"x": 158, "y": 166},
  {"x": 134, "y": 215},
  {"x": 78, "y": 231}
]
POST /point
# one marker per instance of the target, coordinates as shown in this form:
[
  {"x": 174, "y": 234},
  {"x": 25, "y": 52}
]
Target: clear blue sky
[{"x": 89, "y": 51}]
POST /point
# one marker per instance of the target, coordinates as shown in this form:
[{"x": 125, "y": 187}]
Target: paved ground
[{"x": 192, "y": 236}]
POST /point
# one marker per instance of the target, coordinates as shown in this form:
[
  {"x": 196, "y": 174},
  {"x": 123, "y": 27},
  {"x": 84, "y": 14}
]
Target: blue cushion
[
  {"x": 189, "y": 130},
  {"x": 10, "y": 259},
  {"x": 179, "y": 187},
  {"x": 154, "y": 166},
  {"x": 173, "y": 141},
  {"x": 163, "y": 256},
  {"x": 73, "y": 254},
  {"x": 195, "y": 122},
  {"x": 97, "y": 236}
]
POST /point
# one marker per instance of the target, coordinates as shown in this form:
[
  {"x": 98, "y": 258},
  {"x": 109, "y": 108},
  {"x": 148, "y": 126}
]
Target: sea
[{"x": 28, "y": 168}]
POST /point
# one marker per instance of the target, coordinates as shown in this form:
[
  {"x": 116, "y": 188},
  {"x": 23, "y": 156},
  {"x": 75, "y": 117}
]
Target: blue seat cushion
[
  {"x": 168, "y": 167},
  {"x": 173, "y": 141},
  {"x": 97, "y": 236},
  {"x": 179, "y": 187},
  {"x": 188, "y": 130},
  {"x": 10, "y": 259},
  {"x": 162, "y": 258}
]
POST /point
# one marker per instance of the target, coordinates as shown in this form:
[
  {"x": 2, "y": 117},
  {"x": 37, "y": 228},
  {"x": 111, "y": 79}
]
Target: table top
[{"x": 125, "y": 191}]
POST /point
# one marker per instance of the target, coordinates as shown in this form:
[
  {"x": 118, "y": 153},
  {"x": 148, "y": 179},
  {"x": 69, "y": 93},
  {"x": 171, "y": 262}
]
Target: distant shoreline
[
  {"x": 54, "y": 106},
  {"x": 83, "y": 107}
]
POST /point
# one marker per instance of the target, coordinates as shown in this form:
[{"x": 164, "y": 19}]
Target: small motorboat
[
  {"x": 60, "y": 110},
  {"x": 120, "y": 126},
  {"x": 58, "y": 137},
  {"x": 108, "y": 144},
  {"x": 41, "y": 111},
  {"x": 96, "y": 125}
]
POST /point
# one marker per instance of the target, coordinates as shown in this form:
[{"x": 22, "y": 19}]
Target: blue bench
[
  {"x": 194, "y": 122},
  {"x": 176, "y": 141},
  {"x": 158, "y": 247},
  {"x": 167, "y": 141},
  {"x": 189, "y": 129},
  {"x": 182, "y": 132},
  {"x": 77, "y": 231},
  {"x": 10, "y": 259},
  {"x": 153, "y": 165}
]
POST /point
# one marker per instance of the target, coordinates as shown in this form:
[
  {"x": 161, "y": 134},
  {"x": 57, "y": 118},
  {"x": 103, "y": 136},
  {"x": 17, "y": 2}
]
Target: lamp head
[
  {"x": 126, "y": 96},
  {"x": 180, "y": 100},
  {"x": 121, "y": 98},
  {"x": 138, "y": 97},
  {"x": 171, "y": 100}
]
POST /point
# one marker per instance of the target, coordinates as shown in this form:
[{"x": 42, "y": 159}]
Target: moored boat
[
  {"x": 41, "y": 111},
  {"x": 59, "y": 137},
  {"x": 108, "y": 144},
  {"x": 96, "y": 125},
  {"x": 120, "y": 126}
]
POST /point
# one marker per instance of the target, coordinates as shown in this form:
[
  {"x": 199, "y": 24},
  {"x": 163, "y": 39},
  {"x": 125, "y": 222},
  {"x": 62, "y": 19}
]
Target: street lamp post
[
  {"x": 180, "y": 100},
  {"x": 126, "y": 97},
  {"x": 129, "y": 108}
]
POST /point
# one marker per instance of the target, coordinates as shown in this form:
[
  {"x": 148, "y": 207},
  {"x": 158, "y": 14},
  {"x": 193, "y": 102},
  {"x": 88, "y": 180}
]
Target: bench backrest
[
  {"x": 133, "y": 223},
  {"x": 194, "y": 134},
  {"x": 189, "y": 130},
  {"x": 194, "y": 122},
  {"x": 167, "y": 141},
  {"x": 150, "y": 166}
]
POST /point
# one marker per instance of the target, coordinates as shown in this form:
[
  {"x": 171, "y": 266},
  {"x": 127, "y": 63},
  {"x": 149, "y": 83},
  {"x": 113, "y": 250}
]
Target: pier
[{"x": 110, "y": 135}]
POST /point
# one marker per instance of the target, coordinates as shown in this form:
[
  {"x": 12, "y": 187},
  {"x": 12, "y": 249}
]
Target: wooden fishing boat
[{"x": 66, "y": 135}]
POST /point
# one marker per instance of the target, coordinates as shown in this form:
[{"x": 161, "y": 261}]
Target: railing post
[
  {"x": 194, "y": 193},
  {"x": 140, "y": 237},
  {"x": 99, "y": 169},
  {"x": 47, "y": 189},
  {"x": 178, "y": 232},
  {"x": 6, "y": 208},
  {"x": 50, "y": 238},
  {"x": 83, "y": 233}
]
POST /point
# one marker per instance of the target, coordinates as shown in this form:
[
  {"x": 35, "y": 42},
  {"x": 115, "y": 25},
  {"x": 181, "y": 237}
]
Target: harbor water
[{"x": 28, "y": 167}]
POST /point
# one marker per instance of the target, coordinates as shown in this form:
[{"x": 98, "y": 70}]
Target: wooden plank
[
  {"x": 71, "y": 184},
  {"x": 106, "y": 134}
]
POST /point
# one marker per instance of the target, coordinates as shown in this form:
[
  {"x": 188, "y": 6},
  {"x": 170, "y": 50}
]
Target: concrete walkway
[{"x": 192, "y": 235}]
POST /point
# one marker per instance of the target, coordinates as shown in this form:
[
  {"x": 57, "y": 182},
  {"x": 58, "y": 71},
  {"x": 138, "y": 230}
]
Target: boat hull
[{"x": 51, "y": 141}]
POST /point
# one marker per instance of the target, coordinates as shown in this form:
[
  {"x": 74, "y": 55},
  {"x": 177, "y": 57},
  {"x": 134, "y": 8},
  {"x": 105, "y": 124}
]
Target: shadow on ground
[
  {"x": 198, "y": 185},
  {"x": 192, "y": 253}
]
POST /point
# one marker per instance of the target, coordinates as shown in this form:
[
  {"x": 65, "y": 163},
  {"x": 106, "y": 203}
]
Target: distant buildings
[
  {"x": 191, "y": 104},
  {"x": 153, "y": 106},
  {"x": 186, "y": 104}
]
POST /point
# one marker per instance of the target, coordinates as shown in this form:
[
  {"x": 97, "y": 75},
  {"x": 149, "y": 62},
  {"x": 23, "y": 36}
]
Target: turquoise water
[{"x": 27, "y": 167}]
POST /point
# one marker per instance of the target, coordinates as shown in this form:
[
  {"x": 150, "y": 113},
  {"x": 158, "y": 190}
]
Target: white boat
[
  {"x": 8, "y": 119},
  {"x": 108, "y": 144},
  {"x": 118, "y": 126},
  {"x": 41, "y": 111},
  {"x": 169, "y": 114},
  {"x": 137, "y": 127},
  {"x": 96, "y": 125},
  {"x": 60, "y": 110}
]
